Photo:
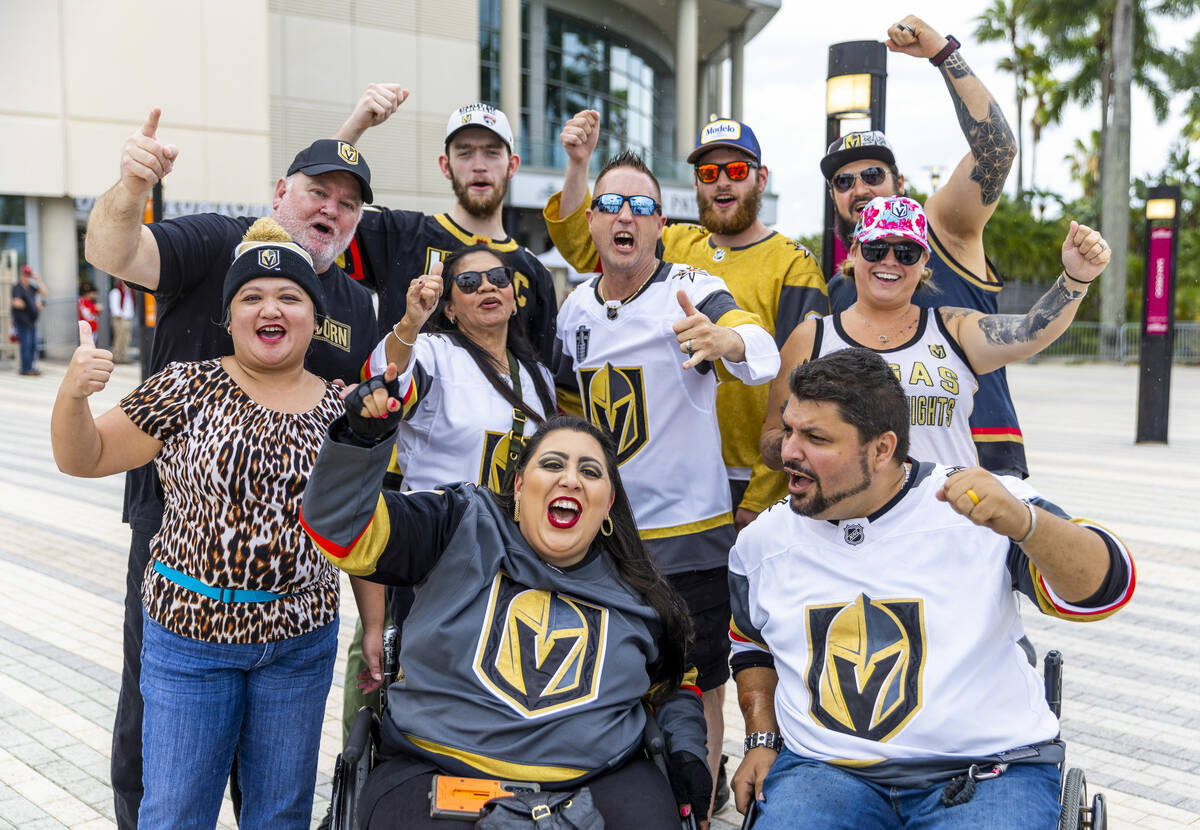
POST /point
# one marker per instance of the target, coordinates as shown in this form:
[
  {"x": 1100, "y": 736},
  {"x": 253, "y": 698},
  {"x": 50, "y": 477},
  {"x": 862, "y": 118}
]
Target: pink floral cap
[{"x": 886, "y": 216}]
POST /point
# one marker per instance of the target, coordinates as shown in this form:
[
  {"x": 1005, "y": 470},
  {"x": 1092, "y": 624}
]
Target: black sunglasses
[
  {"x": 907, "y": 253},
  {"x": 735, "y": 170},
  {"x": 468, "y": 282},
  {"x": 612, "y": 202},
  {"x": 871, "y": 177}
]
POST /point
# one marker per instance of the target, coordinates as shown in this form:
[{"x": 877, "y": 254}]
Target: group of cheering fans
[{"x": 581, "y": 517}]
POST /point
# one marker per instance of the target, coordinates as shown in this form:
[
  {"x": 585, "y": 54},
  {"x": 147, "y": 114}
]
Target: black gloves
[
  {"x": 691, "y": 782},
  {"x": 364, "y": 429}
]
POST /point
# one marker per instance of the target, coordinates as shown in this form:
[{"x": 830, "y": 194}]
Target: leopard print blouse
[{"x": 233, "y": 473}]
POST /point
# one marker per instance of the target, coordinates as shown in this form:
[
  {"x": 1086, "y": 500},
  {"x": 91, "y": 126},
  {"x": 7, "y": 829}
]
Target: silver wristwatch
[{"x": 771, "y": 740}]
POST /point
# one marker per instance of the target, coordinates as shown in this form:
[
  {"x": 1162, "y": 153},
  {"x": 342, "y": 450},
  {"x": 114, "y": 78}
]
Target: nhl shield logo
[
  {"x": 582, "y": 335},
  {"x": 269, "y": 258},
  {"x": 348, "y": 152},
  {"x": 718, "y": 254},
  {"x": 938, "y": 351},
  {"x": 854, "y": 534}
]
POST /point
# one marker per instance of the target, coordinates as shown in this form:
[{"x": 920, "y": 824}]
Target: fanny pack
[
  {"x": 542, "y": 811},
  {"x": 222, "y": 594}
]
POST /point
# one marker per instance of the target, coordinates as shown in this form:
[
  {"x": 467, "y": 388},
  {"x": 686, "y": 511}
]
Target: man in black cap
[
  {"x": 860, "y": 166},
  {"x": 183, "y": 262}
]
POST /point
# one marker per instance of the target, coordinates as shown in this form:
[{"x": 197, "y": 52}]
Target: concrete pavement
[{"x": 1131, "y": 705}]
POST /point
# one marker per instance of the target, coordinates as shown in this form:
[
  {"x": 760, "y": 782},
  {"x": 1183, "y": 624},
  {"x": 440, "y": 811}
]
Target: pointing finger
[{"x": 151, "y": 125}]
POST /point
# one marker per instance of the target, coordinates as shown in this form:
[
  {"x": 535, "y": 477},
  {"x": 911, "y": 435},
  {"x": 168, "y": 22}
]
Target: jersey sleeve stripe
[
  {"x": 360, "y": 556},
  {"x": 1055, "y": 606}
]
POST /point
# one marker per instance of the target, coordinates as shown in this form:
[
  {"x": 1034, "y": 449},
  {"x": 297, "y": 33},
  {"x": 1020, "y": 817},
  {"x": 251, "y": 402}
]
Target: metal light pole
[
  {"x": 1158, "y": 315},
  {"x": 855, "y": 87},
  {"x": 144, "y": 301}
]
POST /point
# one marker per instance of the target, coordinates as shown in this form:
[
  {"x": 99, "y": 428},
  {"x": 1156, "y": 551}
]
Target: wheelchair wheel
[
  {"x": 1099, "y": 817},
  {"x": 1074, "y": 800},
  {"x": 351, "y": 768}
]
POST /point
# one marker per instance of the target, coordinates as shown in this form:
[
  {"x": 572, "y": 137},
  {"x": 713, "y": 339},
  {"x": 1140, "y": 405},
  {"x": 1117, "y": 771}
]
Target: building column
[
  {"x": 737, "y": 75},
  {"x": 687, "y": 34},
  {"x": 59, "y": 262},
  {"x": 510, "y": 63},
  {"x": 540, "y": 151}
]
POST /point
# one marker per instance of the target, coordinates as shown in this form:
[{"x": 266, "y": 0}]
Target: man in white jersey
[
  {"x": 876, "y": 630},
  {"x": 635, "y": 354}
]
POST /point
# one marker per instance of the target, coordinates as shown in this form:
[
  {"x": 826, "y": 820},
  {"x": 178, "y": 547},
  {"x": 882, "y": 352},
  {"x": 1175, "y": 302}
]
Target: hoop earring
[
  {"x": 606, "y": 526},
  {"x": 516, "y": 511}
]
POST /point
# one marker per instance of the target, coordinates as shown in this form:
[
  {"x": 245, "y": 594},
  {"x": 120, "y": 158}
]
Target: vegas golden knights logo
[
  {"x": 853, "y": 140},
  {"x": 866, "y": 661},
  {"x": 938, "y": 351},
  {"x": 540, "y": 651},
  {"x": 494, "y": 461},
  {"x": 268, "y": 258},
  {"x": 614, "y": 399},
  {"x": 348, "y": 152}
]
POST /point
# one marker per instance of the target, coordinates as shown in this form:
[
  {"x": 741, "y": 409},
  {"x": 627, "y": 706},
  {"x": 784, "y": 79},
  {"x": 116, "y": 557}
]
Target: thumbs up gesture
[
  {"x": 90, "y": 368},
  {"x": 144, "y": 161},
  {"x": 701, "y": 339}
]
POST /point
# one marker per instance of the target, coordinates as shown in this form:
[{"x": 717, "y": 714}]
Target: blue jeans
[
  {"x": 204, "y": 701},
  {"x": 27, "y": 339},
  {"x": 800, "y": 792}
]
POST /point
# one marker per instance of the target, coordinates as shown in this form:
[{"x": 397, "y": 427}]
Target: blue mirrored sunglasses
[{"x": 612, "y": 202}]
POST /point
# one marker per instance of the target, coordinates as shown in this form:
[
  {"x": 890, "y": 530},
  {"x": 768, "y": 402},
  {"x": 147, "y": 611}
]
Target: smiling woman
[{"x": 229, "y": 575}]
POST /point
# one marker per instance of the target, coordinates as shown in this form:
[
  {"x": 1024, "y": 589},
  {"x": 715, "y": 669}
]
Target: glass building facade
[{"x": 583, "y": 66}]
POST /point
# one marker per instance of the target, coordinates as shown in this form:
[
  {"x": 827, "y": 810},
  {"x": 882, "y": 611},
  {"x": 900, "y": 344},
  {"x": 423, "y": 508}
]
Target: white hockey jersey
[
  {"x": 456, "y": 427},
  {"x": 621, "y": 366},
  {"x": 896, "y": 636}
]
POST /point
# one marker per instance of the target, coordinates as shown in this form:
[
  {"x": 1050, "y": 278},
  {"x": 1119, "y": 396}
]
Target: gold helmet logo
[
  {"x": 615, "y": 400},
  {"x": 867, "y": 658},
  {"x": 269, "y": 258},
  {"x": 540, "y": 651},
  {"x": 853, "y": 140},
  {"x": 938, "y": 351},
  {"x": 348, "y": 152}
]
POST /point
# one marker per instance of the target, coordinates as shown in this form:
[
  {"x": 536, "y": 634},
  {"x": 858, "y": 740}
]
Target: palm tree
[
  {"x": 1083, "y": 163},
  {"x": 1041, "y": 86}
]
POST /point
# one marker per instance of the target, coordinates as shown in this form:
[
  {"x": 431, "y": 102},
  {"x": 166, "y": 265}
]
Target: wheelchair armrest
[
  {"x": 1052, "y": 674},
  {"x": 363, "y": 733}
]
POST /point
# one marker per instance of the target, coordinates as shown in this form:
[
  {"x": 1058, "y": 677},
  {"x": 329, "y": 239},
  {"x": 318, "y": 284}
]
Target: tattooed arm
[
  {"x": 961, "y": 207},
  {"x": 994, "y": 340}
]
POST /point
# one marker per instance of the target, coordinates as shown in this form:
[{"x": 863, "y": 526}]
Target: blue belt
[{"x": 222, "y": 594}]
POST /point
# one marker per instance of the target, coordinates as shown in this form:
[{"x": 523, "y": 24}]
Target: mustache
[{"x": 796, "y": 469}]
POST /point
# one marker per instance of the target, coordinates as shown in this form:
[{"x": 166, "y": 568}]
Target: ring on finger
[
  {"x": 688, "y": 347},
  {"x": 972, "y": 495}
]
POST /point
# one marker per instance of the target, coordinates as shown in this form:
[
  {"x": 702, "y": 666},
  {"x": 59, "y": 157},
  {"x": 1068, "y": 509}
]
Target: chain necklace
[{"x": 883, "y": 338}]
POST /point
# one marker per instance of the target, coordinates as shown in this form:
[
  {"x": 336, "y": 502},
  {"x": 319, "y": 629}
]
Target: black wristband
[
  {"x": 1067, "y": 274},
  {"x": 951, "y": 45}
]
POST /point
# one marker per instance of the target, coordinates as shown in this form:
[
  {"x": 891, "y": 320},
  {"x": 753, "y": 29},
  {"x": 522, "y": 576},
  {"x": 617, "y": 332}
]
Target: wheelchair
[
  {"x": 1075, "y": 811},
  {"x": 361, "y": 752}
]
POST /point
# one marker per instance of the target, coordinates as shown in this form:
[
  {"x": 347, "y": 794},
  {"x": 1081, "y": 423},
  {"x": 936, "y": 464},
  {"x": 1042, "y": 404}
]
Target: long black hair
[
  {"x": 627, "y": 552},
  {"x": 518, "y": 343}
]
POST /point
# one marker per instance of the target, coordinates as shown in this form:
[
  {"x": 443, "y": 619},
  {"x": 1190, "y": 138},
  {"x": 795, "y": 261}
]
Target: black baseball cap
[
  {"x": 870, "y": 144},
  {"x": 328, "y": 154}
]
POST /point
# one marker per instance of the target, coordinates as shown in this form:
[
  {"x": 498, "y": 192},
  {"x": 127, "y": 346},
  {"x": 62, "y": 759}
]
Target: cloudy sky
[{"x": 785, "y": 100}]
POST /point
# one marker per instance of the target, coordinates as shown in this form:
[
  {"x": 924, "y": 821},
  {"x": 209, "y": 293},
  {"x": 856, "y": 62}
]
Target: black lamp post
[
  {"x": 1158, "y": 314},
  {"x": 855, "y": 87}
]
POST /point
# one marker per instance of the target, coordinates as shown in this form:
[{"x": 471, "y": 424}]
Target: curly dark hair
[{"x": 628, "y": 554}]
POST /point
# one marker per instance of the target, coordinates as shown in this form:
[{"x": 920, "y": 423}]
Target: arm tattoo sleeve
[
  {"x": 991, "y": 140},
  {"x": 1007, "y": 329}
]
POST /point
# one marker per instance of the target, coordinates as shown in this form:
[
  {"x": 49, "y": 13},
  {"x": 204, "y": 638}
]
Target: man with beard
[
  {"x": 183, "y": 262},
  {"x": 394, "y": 246},
  {"x": 768, "y": 274},
  {"x": 875, "y": 628},
  {"x": 861, "y": 166}
]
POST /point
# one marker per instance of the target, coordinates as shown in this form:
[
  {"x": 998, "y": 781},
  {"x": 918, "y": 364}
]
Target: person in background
[
  {"x": 85, "y": 307},
  {"x": 28, "y": 299},
  {"x": 121, "y": 309}
]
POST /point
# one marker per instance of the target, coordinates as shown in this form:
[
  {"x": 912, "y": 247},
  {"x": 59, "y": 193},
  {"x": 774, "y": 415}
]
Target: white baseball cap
[{"x": 480, "y": 115}]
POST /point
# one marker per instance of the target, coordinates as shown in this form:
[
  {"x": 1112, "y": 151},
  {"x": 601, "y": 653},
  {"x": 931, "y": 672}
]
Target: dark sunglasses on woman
[
  {"x": 468, "y": 282},
  {"x": 612, "y": 202},
  {"x": 735, "y": 170},
  {"x": 871, "y": 177},
  {"x": 907, "y": 253}
]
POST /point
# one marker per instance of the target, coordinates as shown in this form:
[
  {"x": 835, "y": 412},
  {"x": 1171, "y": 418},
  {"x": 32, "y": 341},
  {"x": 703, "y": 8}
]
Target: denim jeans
[
  {"x": 204, "y": 701},
  {"x": 27, "y": 340},
  {"x": 804, "y": 793}
]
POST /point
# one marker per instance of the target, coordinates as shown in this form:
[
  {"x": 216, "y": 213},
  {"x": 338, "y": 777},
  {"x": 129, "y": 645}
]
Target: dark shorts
[{"x": 707, "y": 596}]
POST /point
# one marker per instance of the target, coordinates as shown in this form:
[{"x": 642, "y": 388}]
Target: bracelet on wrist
[
  {"x": 768, "y": 740},
  {"x": 401, "y": 339},
  {"x": 952, "y": 44},
  {"x": 1067, "y": 274},
  {"x": 1032, "y": 523}
]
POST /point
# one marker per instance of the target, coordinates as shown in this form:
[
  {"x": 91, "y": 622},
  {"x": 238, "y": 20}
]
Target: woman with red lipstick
[
  {"x": 936, "y": 353},
  {"x": 540, "y": 624},
  {"x": 240, "y": 612}
]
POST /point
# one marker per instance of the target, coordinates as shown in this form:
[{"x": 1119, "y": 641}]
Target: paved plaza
[{"x": 1131, "y": 684}]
